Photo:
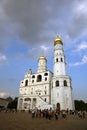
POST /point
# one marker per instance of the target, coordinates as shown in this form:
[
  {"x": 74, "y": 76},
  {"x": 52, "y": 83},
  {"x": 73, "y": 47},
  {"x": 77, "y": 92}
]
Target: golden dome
[
  {"x": 42, "y": 58},
  {"x": 58, "y": 40}
]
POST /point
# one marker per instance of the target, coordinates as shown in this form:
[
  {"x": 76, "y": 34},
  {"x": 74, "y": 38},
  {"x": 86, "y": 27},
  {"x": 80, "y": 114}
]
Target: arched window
[
  {"x": 61, "y": 59},
  {"x": 32, "y": 81},
  {"x": 45, "y": 74},
  {"x": 65, "y": 83},
  {"x": 45, "y": 92},
  {"x": 33, "y": 76},
  {"x": 45, "y": 78},
  {"x": 27, "y": 99},
  {"x": 45, "y": 99},
  {"x": 26, "y": 83},
  {"x": 56, "y": 59},
  {"x": 34, "y": 99},
  {"x": 39, "y": 78},
  {"x": 57, "y": 83}
]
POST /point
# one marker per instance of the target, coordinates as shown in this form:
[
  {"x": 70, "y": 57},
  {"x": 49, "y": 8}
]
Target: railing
[{"x": 42, "y": 99}]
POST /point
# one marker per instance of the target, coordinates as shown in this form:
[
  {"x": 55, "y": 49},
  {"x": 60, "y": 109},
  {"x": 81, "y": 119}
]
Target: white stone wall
[{"x": 62, "y": 94}]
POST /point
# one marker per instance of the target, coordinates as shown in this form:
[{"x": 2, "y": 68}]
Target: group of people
[
  {"x": 81, "y": 114},
  {"x": 49, "y": 114}
]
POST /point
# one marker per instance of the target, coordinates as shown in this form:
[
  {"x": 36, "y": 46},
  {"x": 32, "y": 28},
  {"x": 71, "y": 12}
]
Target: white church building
[{"x": 45, "y": 89}]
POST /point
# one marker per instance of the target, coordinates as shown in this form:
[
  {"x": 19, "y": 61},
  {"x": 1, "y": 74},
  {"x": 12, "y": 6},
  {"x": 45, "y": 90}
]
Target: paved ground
[{"x": 24, "y": 121}]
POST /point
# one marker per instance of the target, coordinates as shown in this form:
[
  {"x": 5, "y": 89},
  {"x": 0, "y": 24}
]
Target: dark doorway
[{"x": 58, "y": 107}]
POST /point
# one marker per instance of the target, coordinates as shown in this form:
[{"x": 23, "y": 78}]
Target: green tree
[
  {"x": 13, "y": 104},
  {"x": 80, "y": 105}
]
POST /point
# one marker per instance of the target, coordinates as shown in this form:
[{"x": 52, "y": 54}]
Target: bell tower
[
  {"x": 42, "y": 64},
  {"x": 61, "y": 92},
  {"x": 59, "y": 58}
]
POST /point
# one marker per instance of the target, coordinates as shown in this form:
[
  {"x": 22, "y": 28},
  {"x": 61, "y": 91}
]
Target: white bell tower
[
  {"x": 61, "y": 92},
  {"x": 59, "y": 58},
  {"x": 42, "y": 64}
]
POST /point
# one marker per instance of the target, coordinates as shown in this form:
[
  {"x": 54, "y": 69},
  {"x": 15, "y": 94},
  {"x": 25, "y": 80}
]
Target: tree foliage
[
  {"x": 80, "y": 105},
  {"x": 13, "y": 104}
]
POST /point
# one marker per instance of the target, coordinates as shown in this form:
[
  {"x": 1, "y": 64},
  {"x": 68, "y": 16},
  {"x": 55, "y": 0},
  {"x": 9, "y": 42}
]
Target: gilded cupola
[
  {"x": 58, "y": 40},
  {"x": 42, "y": 58}
]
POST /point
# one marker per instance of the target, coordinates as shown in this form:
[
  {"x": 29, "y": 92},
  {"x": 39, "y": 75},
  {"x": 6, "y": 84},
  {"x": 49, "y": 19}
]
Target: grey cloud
[
  {"x": 29, "y": 18},
  {"x": 79, "y": 26},
  {"x": 79, "y": 21},
  {"x": 33, "y": 20}
]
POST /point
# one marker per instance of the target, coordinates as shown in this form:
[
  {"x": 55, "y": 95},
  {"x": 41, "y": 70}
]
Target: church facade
[{"x": 45, "y": 89}]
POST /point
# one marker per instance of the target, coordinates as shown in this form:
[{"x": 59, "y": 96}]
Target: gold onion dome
[
  {"x": 58, "y": 40},
  {"x": 42, "y": 58}
]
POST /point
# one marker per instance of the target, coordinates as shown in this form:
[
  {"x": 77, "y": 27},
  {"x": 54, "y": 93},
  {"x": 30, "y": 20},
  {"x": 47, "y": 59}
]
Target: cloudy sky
[{"x": 27, "y": 31}]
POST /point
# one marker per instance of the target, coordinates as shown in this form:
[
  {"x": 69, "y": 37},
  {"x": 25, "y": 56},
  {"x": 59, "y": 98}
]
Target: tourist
[
  {"x": 56, "y": 115},
  {"x": 33, "y": 114}
]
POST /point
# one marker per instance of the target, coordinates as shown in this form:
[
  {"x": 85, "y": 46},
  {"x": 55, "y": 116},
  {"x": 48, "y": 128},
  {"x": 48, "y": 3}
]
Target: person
[
  {"x": 83, "y": 114},
  {"x": 56, "y": 115},
  {"x": 63, "y": 114},
  {"x": 80, "y": 114},
  {"x": 33, "y": 114},
  {"x": 49, "y": 114},
  {"x": 29, "y": 111}
]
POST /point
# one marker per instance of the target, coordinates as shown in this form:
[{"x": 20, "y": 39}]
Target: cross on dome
[{"x": 58, "y": 40}]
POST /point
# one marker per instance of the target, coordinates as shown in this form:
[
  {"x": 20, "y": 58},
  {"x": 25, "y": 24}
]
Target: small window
[
  {"x": 32, "y": 81},
  {"x": 33, "y": 76},
  {"x": 45, "y": 99},
  {"x": 60, "y": 54},
  {"x": 26, "y": 83},
  {"x": 34, "y": 99},
  {"x": 45, "y": 92},
  {"x": 46, "y": 79},
  {"x": 45, "y": 74},
  {"x": 65, "y": 83},
  {"x": 27, "y": 99},
  {"x": 31, "y": 93},
  {"x": 39, "y": 78},
  {"x": 56, "y": 54},
  {"x": 39, "y": 93},
  {"x": 61, "y": 59},
  {"x": 56, "y": 59},
  {"x": 57, "y": 83}
]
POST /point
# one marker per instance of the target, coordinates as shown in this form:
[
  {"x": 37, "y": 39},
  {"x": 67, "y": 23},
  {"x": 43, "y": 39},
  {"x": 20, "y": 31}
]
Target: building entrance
[{"x": 58, "y": 107}]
